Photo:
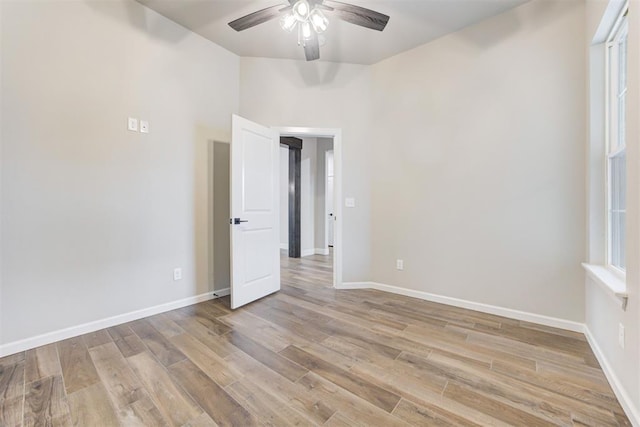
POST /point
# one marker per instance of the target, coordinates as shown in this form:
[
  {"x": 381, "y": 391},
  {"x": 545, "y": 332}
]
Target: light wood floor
[{"x": 311, "y": 355}]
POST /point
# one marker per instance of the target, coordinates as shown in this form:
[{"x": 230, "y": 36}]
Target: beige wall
[
  {"x": 321, "y": 95},
  {"x": 603, "y": 311},
  {"x": 95, "y": 218},
  {"x": 478, "y": 153}
]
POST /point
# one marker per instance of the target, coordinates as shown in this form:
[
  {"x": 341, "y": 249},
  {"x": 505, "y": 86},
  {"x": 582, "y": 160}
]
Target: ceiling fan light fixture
[
  {"x": 318, "y": 21},
  {"x": 305, "y": 29},
  {"x": 288, "y": 22},
  {"x": 301, "y": 10}
]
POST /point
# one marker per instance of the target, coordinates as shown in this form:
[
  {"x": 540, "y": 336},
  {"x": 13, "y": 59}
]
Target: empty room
[{"x": 319, "y": 212}]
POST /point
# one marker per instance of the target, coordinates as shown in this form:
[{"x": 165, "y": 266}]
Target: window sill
[{"x": 611, "y": 282}]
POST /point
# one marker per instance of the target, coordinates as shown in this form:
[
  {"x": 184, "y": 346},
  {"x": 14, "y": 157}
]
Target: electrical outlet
[
  {"x": 177, "y": 274},
  {"x": 621, "y": 335},
  {"x": 399, "y": 264}
]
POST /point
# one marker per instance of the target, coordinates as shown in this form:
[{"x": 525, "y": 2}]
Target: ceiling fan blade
[
  {"x": 256, "y": 18},
  {"x": 357, "y": 15},
  {"x": 312, "y": 47}
]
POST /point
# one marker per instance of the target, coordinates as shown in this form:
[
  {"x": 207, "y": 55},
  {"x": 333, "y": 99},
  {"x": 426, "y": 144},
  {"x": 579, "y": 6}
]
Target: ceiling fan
[{"x": 310, "y": 18}]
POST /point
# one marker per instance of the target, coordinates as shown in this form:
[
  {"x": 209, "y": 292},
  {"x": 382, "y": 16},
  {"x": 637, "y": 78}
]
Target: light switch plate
[
  {"x": 132, "y": 124},
  {"x": 350, "y": 202},
  {"x": 144, "y": 126}
]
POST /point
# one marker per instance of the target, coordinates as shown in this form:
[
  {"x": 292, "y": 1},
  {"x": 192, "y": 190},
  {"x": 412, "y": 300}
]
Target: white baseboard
[
  {"x": 284, "y": 246},
  {"x": 307, "y": 252},
  {"x": 632, "y": 410},
  {"x": 320, "y": 251},
  {"x": 484, "y": 308},
  {"x": 355, "y": 285},
  {"x": 74, "y": 331}
]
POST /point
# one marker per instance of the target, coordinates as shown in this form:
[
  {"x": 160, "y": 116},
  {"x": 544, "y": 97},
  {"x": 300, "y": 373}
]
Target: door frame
[{"x": 336, "y": 134}]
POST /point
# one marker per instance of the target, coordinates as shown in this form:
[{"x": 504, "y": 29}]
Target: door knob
[{"x": 237, "y": 221}]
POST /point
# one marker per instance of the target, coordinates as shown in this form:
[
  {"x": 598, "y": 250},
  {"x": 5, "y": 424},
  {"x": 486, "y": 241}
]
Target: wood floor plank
[
  {"x": 12, "y": 390},
  {"x": 216, "y": 343},
  {"x": 336, "y": 356},
  {"x": 554, "y": 383},
  {"x": 143, "y": 412},
  {"x": 216, "y": 402},
  {"x": 378, "y": 396},
  {"x": 175, "y": 405},
  {"x": 42, "y": 362},
  {"x": 77, "y": 368},
  {"x": 12, "y": 359},
  {"x": 211, "y": 309},
  {"x": 468, "y": 351},
  {"x": 12, "y": 380},
  {"x": 46, "y": 403},
  {"x": 97, "y": 338},
  {"x": 163, "y": 324},
  {"x": 293, "y": 394},
  {"x": 418, "y": 415},
  {"x": 524, "y": 349},
  {"x": 597, "y": 382},
  {"x": 287, "y": 321},
  {"x": 404, "y": 380},
  {"x": 492, "y": 407},
  {"x": 204, "y": 420},
  {"x": 206, "y": 313},
  {"x": 12, "y": 411},
  {"x": 214, "y": 325},
  {"x": 119, "y": 380},
  {"x": 338, "y": 420},
  {"x": 540, "y": 401},
  {"x": 269, "y": 334},
  {"x": 402, "y": 312},
  {"x": 274, "y": 361},
  {"x": 161, "y": 348},
  {"x": 127, "y": 341},
  {"x": 423, "y": 390},
  {"x": 206, "y": 359},
  {"x": 90, "y": 406},
  {"x": 362, "y": 318},
  {"x": 264, "y": 406},
  {"x": 359, "y": 411}
]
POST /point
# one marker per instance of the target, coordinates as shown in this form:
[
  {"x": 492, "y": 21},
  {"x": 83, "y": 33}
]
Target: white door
[
  {"x": 329, "y": 197},
  {"x": 255, "y": 247}
]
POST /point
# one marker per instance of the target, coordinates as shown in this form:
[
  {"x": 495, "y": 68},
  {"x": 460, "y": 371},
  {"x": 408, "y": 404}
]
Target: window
[{"x": 616, "y": 142}]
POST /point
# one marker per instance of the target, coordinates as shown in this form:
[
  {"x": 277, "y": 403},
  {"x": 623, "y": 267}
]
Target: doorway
[
  {"x": 317, "y": 192},
  {"x": 254, "y": 207}
]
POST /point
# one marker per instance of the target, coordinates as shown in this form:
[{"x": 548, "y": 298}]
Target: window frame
[{"x": 614, "y": 147}]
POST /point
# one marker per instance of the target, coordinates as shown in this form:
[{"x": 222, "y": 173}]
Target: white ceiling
[{"x": 412, "y": 23}]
